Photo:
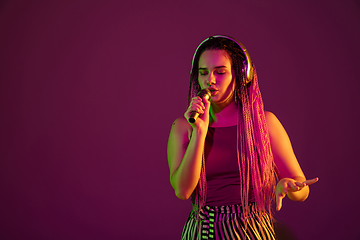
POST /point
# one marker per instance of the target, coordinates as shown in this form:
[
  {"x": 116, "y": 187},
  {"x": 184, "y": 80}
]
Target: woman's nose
[{"x": 211, "y": 79}]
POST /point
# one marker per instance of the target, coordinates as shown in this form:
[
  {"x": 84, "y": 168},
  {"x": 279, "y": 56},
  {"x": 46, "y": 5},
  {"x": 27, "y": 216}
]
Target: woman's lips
[{"x": 213, "y": 91}]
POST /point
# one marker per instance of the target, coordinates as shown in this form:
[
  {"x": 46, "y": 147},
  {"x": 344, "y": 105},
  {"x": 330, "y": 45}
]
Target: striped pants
[{"x": 226, "y": 222}]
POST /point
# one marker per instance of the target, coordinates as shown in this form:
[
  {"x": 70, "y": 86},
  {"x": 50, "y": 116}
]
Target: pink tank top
[{"x": 221, "y": 166}]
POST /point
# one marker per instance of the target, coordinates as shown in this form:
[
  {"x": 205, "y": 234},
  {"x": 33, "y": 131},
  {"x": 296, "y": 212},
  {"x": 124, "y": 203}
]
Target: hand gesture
[
  {"x": 201, "y": 106},
  {"x": 286, "y": 185}
]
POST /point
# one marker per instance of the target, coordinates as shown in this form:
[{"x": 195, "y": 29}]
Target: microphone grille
[{"x": 204, "y": 93}]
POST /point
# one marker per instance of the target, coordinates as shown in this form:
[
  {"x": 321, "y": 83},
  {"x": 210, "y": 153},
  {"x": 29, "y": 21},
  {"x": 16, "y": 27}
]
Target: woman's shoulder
[
  {"x": 180, "y": 131},
  {"x": 272, "y": 122},
  {"x": 180, "y": 126},
  {"x": 181, "y": 122},
  {"x": 269, "y": 116}
]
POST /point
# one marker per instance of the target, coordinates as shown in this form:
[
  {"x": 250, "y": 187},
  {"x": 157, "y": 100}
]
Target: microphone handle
[
  {"x": 193, "y": 117},
  {"x": 203, "y": 93}
]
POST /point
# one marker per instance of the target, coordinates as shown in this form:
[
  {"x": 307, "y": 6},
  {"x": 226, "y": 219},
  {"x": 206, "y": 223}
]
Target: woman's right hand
[{"x": 201, "y": 106}]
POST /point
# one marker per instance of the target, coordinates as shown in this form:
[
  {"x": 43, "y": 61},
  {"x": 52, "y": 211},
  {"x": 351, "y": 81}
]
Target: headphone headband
[{"x": 248, "y": 66}]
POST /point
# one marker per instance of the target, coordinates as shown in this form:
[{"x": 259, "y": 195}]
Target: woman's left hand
[{"x": 286, "y": 185}]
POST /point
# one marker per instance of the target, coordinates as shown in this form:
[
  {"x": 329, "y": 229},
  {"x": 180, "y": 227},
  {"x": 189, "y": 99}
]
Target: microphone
[{"x": 202, "y": 93}]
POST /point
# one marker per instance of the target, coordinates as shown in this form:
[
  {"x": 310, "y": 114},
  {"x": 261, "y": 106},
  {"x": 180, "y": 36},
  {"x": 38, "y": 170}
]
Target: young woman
[{"x": 226, "y": 160}]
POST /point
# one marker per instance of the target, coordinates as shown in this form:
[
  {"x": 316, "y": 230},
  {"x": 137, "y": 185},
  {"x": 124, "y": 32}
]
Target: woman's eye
[
  {"x": 221, "y": 72},
  {"x": 202, "y": 73}
]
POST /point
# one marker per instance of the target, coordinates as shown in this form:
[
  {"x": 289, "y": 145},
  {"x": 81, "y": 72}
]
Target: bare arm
[
  {"x": 185, "y": 161},
  {"x": 292, "y": 179}
]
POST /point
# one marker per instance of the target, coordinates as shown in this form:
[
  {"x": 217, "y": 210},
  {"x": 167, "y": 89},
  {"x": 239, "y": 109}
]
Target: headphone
[{"x": 249, "y": 70}]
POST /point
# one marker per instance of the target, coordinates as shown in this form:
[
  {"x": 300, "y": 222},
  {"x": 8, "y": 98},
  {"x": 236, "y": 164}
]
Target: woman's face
[{"x": 216, "y": 73}]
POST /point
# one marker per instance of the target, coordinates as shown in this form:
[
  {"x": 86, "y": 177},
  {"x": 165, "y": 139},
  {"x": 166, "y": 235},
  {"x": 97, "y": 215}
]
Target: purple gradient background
[{"x": 89, "y": 90}]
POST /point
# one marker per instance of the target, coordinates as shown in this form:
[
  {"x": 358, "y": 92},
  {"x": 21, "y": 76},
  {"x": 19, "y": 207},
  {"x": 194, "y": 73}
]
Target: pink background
[{"x": 89, "y": 90}]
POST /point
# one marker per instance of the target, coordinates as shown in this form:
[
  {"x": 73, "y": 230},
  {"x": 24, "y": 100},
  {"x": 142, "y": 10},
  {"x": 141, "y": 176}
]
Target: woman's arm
[
  {"x": 185, "y": 161},
  {"x": 292, "y": 179}
]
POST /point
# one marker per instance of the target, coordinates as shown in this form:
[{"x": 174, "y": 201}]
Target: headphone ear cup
[{"x": 249, "y": 72}]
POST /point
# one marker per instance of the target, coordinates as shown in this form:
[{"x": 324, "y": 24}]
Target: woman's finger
[
  {"x": 300, "y": 184},
  {"x": 197, "y": 102},
  {"x": 279, "y": 198},
  {"x": 294, "y": 187},
  {"x": 196, "y": 99},
  {"x": 311, "y": 181}
]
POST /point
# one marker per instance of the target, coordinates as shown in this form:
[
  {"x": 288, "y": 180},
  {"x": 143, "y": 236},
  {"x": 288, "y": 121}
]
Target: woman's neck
[{"x": 224, "y": 114}]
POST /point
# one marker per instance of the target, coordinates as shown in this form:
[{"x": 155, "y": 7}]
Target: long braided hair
[{"x": 255, "y": 160}]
